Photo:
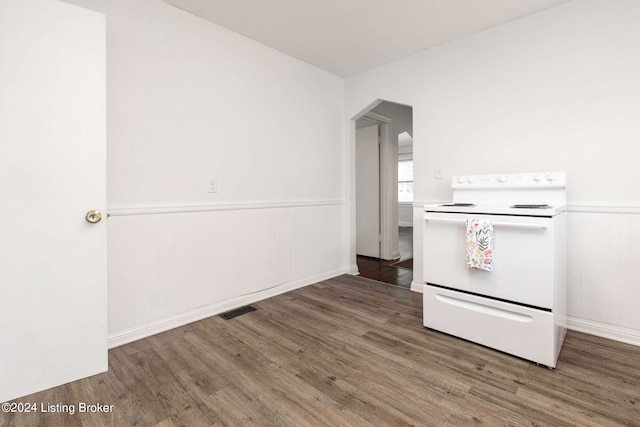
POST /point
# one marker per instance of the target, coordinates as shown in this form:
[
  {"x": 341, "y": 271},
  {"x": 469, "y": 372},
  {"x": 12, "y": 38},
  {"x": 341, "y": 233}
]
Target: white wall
[
  {"x": 405, "y": 214},
  {"x": 97, "y": 5},
  {"x": 189, "y": 101},
  {"x": 556, "y": 90}
]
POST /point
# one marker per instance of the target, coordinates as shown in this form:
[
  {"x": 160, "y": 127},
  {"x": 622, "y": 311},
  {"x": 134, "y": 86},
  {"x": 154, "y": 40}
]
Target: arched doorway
[{"x": 383, "y": 230}]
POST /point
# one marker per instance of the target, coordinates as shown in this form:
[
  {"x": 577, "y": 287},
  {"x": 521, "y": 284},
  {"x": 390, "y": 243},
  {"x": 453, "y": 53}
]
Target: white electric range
[{"x": 520, "y": 306}]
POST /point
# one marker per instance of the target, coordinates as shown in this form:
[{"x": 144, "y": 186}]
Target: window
[{"x": 405, "y": 181}]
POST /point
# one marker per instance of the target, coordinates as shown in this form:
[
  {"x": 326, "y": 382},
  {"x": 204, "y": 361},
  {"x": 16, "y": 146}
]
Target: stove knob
[
  {"x": 537, "y": 178},
  {"x": 551, "y": 177},
  {"x": 471, "y": 180},
  {"x": 502, "y": 179},
  {"x": 461, "y": 180}
]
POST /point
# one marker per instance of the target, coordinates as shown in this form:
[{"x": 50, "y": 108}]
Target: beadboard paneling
[
  {"x": 168, "y": 269},
  {"x": 604, "y": 278},
  {"x": 405, "y": 214}
]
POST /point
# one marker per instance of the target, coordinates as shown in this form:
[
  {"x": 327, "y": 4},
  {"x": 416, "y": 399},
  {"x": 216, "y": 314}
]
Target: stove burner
[
  {"x": 459, "y": 204},
  {"x": 531, "y": 206}
]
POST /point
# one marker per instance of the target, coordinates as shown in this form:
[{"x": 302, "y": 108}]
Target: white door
[
  {"x": 368, "y": 191},
  {"x": 53, "y": 288}
]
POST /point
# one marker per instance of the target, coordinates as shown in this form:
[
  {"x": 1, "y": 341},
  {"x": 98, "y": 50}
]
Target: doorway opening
[{"x": 384, "y": 192}]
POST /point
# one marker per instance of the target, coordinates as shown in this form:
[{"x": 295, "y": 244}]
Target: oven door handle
[{"x": 542, "y": 225}]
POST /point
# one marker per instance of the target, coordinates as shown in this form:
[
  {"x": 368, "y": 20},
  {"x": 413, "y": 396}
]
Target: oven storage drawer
[
  {"x": 521, "y": 331},
  {"x": 525, "y": 263}
]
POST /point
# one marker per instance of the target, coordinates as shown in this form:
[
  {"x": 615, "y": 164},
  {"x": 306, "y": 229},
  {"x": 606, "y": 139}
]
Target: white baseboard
[
  {"x": 405, "y": 224},
  {"x": 604, "y": 330},
  {"x": 353, "y": 270},
  {"x": 161, "y": 325},
  {"x": 416, "y": 286}
]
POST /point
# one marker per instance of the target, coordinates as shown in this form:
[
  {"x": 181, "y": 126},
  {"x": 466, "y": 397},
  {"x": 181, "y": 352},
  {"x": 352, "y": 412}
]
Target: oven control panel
[{"x": 511, "y": 180}]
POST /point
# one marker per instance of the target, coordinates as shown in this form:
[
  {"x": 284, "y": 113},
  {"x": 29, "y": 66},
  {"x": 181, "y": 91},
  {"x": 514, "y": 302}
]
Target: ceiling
[{"x": 346, "y": 37}]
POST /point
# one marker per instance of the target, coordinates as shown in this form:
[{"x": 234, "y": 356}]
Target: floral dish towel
[{"x": 479, "y": 245}]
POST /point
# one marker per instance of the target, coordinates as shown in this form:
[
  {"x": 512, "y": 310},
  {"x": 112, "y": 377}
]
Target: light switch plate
[{"x": 213, "y": 185}]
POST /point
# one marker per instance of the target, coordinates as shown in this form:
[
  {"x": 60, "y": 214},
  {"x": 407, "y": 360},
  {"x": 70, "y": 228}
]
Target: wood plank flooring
[{"x": 347, "y": 351}]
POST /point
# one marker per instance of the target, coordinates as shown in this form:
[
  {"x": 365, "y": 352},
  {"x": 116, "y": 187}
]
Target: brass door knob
[{"x": 93, "y": 217}]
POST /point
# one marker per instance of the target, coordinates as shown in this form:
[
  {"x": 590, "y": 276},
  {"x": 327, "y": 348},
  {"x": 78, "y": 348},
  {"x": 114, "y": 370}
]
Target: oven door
[{"x": 523, "y": 257}]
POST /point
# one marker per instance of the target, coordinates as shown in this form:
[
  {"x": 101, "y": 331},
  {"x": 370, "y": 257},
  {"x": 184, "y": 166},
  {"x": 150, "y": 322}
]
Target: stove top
[
  {"x": 530, "y": 206},
  {"x": 516, "y": 210},
  {"x": 523, "y": 194}
]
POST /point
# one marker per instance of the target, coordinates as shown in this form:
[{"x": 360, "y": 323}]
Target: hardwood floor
[
  {"x": 344, "y": 352},
  {"x": 383, "y": 271}
]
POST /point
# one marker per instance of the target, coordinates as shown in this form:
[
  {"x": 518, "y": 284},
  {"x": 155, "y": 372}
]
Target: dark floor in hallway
[{"x": 383, "y": 271}]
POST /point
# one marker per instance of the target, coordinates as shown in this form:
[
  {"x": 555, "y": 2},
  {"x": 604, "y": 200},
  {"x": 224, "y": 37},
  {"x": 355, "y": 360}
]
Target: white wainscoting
[
  {"x": 172, "y": 266},
  {"x": 604, "y": 273},
  {"x": 603, "y": 269},
  {"x": 405, "y": 214}
]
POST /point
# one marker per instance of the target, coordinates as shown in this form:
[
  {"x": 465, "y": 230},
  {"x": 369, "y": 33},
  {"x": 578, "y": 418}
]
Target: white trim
[
  {"x": 609, "y": 209},
  {"x": 388, "y": 186},
  {"x": 353, "y": 270},
  {"x": 170, "y": 322},
  {"x": 405, "y": 224},
  {"x": 417, "y": 286},
  {"x": 386, "y": 211},
  {"x": 604, "y": 330},
  {"x": 155, "y": 210},
  {"x": 388, "y": 195},
  {"x": 368, "y": 109},
  {"x": 376, "y": 118}
]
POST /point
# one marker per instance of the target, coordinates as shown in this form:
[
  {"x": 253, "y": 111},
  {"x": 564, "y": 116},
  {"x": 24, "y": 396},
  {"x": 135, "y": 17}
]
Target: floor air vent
[{"x": 237, "y": 312}]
